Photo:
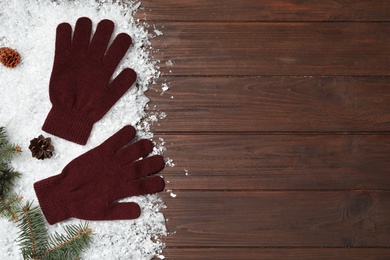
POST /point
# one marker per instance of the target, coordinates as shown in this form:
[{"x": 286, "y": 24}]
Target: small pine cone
[
  {"x": 41, "y": 147},
  {"x": 9, "y": 57}
]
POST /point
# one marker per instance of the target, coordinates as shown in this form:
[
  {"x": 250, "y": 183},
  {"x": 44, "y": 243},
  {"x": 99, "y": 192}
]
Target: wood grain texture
[
  {"x": 278, "y": 124},
  {"x": 304, "y": 162},
  {"x": 293, "y": 219},
  {"x": 265, "y": 10},
  {"x": 275, "y": 49},
  {"x": 276, "y": 253},
  {"x": 265, "y": 104}
]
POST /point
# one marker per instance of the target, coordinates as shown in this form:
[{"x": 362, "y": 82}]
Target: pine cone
[
  {"x": 41, "y": 147},
  {"x": 9, "y": 57}
]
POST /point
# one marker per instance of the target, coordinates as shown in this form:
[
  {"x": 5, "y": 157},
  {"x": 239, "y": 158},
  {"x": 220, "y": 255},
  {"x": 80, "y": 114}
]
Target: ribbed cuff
[
  {"x": 53, "y": 201},
  {"x": 68, "y": 126}
]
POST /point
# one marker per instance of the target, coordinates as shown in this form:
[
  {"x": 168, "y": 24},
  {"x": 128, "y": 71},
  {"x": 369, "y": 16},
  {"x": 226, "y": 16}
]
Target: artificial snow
[
  {"x": 158, "y": 32},
  {"x": 173, "y": 195},
  {"x": 164, "y": 87},
  {"x": 29, "y": 27}
]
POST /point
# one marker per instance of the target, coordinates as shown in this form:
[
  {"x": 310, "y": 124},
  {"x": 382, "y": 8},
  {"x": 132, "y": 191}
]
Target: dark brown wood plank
[
  {"x": 265, "y": 10},
  {"x": 276, "y": 253},
  {"x": 265, "y": 104},
  {"x": 245, "y": 162},
  {"x": 269, "y": 165},
  {"x": 284, "y": 219},
  {"x": 274, "y": 48}
]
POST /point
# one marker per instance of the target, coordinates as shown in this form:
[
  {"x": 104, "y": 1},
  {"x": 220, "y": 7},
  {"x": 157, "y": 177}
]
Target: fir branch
[
  {"x": 7, "y": 173},
  {"x": 10, "y": 206},
  {"x": 69, "y": 246},
  {"x": 3, "y": 135},
  {"x": 7, "y": 178},
  {"x": 36, "y": 245},
  {"x": 32, "y": 232},
  {"x": 33, "y": 240},
  {"x": 7, "y": 150}
]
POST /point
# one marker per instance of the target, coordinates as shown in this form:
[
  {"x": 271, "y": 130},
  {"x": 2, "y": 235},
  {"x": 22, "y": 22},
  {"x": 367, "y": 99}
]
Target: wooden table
[{"x": 278, "y": 119}]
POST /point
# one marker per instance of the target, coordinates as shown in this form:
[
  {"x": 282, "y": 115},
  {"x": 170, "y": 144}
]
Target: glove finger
[
  {"x": 123, "y": 210},
  {"x": 118, "y": 140},
  {"x": 63, "y": 42},
  {"x": 116, "y": 51},
  {"x": 138, "y": 187},
  {"x": 118, "y": 87},
  {"x": 148, "y": 185},
  {"x": 143, "y": 167},
  {"x": 101, "y": 39},
  {"x": 82, "y": 35},
  {"x": 134, "y": 151}
]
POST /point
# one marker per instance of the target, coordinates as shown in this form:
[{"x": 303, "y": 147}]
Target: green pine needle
[
  {"x": 7, "y": 178},
  {"x": 35, "y": 244},
  {"x": 69, "y": 245},
  {"x": 7, "y": 174},
  {"x": 10, "y": 206},
  {"x": 7, "y": 150},
  {"x": 33, "y": 238},
  {"x": 32, "y": 232},
  {"x": 3, "y": 135}
]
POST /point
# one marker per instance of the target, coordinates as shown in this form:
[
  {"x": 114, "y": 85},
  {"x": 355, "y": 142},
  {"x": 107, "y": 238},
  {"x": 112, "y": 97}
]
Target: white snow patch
[{"x": 29, "y": 27}]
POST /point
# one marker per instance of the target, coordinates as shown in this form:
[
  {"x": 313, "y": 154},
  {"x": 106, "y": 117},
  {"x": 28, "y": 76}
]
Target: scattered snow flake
[
  {"x": 169, "y": 162},
  {"x": 162, "y": 115},
  {"x": 161, "y": 140},
  {"x": 158, "y": 32},
  {"x": 169, "y": 63},
  {"x": 165, "y": 87},
  {"x": 153, "y": 118},
  {"x": 159, "y": 147},
  {"x": 137, "y": 5}
]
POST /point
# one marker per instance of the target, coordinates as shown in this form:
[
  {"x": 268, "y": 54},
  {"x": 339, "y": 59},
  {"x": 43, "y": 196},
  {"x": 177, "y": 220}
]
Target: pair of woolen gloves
[{"x": 81, "y": 93}]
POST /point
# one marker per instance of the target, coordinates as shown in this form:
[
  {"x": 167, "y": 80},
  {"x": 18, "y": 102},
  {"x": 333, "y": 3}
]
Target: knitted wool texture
[
  {"x": 80, "y": 89},
  {"x": 89, "y": 186}
]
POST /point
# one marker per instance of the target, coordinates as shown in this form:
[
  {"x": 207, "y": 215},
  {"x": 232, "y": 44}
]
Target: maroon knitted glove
[
  {"x": 88, "y": 187},
  {"x": 80, "y": 89}
]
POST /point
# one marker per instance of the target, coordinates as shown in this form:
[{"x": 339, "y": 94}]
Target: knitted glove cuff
[
  {"x": 52, "y": 199},
  {"x": 68, "y": 126}
]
